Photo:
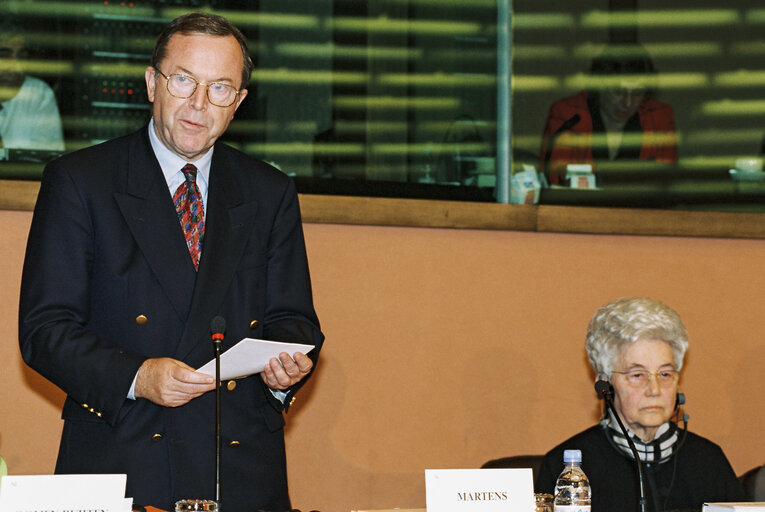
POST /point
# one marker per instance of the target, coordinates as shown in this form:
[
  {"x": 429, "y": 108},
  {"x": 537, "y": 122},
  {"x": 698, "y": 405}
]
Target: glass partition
[
  {"x": 411, "y": 98},
  {"x": 688, "y": 86},
  {"x": 390, "y": 97}
]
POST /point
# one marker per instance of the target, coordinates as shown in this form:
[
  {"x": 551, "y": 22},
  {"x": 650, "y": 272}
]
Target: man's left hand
[{"x": 285, "y": 371}]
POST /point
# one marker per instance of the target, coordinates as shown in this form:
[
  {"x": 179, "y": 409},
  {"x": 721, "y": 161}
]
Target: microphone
[
  {"x": 605, "y": 391},
  {"x": 566, "y": 126},
  {"x": 217, "y": 328}
]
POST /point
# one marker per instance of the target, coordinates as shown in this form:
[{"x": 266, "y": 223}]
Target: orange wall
[{"x": 446, "y": 348}]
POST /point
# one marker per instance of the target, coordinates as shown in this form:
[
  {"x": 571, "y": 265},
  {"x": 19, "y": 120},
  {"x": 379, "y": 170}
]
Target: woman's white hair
[{"x": 628, "y": 320}]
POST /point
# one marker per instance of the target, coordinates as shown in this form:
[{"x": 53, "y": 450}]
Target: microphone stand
[
  {"x": 218, "y": 327},
  {"x": 605, "y": 391},
  {"x": 218, "y": 443}
]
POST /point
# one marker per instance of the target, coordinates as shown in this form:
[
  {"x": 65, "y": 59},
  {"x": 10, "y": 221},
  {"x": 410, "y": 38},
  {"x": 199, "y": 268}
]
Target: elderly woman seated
[{"x": 638, "y": 345}]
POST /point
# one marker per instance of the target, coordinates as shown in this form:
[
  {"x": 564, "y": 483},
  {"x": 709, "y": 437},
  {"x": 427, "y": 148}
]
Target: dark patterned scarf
[{"x": 659, "y": 450}]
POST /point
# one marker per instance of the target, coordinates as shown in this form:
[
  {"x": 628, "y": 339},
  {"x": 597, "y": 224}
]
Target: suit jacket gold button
[
  {"x": 85, "y": 406},
  {"x": 99, "y": 414},
  {"x": 292, "y": 400},
  {"x": 231, "y": 385},
  {"x": 156, "y": 438},
  {"x": 234, "y": 444},
  {"x": 254, "y": 324},
  {"x": 141, "y": 319}
]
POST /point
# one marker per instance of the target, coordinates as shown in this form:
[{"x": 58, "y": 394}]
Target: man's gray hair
[{"x": 208, "y": 24}]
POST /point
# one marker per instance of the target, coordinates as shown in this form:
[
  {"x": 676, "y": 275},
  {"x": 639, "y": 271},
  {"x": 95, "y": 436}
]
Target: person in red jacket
[{"x": 617, "y": 118}]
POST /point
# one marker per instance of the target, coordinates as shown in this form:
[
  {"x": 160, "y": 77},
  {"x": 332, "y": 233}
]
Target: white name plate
[
  {"x": 732, "y": 507},
  {"x": 479, "y": 490},
  {"x": 70, "y": 493}
]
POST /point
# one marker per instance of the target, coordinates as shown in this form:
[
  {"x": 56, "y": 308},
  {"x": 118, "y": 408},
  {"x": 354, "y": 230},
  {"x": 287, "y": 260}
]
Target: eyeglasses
[
  {"x": 639, "y": 378},
  {"x": 184, "y": 86}
]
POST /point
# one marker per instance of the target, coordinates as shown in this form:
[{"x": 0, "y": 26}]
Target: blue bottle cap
[{"x": 570, "y": 456}]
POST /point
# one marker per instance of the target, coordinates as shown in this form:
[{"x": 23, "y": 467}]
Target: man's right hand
[{"x": 170, "y": 383}]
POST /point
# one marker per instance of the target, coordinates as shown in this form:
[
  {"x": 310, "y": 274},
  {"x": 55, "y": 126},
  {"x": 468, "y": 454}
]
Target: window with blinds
[
  {"x": 433, "y": 98},
  {"x": 390, "y": 97}
]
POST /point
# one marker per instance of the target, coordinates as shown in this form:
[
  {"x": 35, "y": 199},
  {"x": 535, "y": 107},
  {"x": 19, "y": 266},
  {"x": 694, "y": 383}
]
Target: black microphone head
[
  {"x": 603, "y": 388},
  {"x": 218, "y": 325}
]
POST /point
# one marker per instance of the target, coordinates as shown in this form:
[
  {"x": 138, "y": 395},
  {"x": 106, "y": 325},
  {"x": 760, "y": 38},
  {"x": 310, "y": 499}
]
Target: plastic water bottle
[{"x": 572, "y": 490}]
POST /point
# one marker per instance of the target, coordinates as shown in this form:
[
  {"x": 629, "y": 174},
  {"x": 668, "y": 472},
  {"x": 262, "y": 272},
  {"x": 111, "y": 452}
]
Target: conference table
[{"x": 154, "y": 509}]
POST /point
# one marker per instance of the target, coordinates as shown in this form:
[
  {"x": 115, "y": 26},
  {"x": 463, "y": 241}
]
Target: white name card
[
  {"x": 58, "y": 493},
  {"x": 479, "y": 490},
  {"x": 732, "y": 507}
]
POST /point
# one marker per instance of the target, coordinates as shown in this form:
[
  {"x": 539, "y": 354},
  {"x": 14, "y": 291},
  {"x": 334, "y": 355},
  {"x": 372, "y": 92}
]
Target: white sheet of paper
[
  {"x": 479, "y": 490},
  {"x": 392, "y": 510},
  {"x": 64, "y": 492},
  {"x": 731, "y": 507},
  {"x": 250, "y": 356}
]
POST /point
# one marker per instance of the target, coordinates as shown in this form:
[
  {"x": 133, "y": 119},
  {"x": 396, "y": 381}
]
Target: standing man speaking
[{"x": 135, "y": 245}]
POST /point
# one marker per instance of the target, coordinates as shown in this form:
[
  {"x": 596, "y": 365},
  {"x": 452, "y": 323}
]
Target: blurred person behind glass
[
  {"x": 29, "y": 116},
  {"x": 616, "y": 118},
  {"x": 638, "y": 346}
]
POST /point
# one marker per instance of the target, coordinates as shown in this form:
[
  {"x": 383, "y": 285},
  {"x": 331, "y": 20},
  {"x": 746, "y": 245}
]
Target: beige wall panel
[{"x": 446, "y": 348}]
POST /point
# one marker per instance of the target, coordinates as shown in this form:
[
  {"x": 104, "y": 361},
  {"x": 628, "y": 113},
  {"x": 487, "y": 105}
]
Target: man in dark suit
[{"x": 117, "y": 295}]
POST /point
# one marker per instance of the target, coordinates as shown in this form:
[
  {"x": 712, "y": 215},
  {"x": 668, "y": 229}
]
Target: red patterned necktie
[{"x": 188, "y": 204}]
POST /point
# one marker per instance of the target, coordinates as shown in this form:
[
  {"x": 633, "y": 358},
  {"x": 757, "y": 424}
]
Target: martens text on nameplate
[{"x": 482, "y": 496}]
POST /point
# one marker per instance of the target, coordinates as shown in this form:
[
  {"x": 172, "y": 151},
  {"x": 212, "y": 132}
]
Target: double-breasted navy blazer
[{"x": 108, "y": 282}]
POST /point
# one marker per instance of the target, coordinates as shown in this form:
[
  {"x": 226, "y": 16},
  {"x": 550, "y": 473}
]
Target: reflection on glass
[
  {"x": 399, "y": 98},
  {"x": 616, "y": 119},
  {"x": 704, "y": 83},
  {"x": 29, "y": 116},
  {"x": 366, "y": 98}
]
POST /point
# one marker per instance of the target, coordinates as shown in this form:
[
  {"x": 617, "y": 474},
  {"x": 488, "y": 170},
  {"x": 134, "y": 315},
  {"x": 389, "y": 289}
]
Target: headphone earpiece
[
  {"x": 603, "y": 385},
  {"x": 680, "y": 400}
]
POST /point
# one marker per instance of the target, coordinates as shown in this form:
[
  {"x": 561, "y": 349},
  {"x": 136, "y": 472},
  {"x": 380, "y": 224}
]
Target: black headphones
[{"x": 679, "y": 400}]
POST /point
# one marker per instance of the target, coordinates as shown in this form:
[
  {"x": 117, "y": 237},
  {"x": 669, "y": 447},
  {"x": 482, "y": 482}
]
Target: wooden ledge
[
  {"x": 324, "y": 209},
  {"x": 18, "y": 195}
]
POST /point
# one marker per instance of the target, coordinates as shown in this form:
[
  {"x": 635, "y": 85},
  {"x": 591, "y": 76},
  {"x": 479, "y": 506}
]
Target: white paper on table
[
  {"x": 64, "y": 492},
  {"x": 250, "y": 356},
  {"x": 731, "y": 507}
]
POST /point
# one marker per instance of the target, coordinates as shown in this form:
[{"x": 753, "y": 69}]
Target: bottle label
[{"x": 572, "y": 508}]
